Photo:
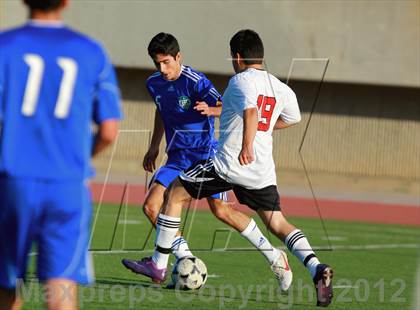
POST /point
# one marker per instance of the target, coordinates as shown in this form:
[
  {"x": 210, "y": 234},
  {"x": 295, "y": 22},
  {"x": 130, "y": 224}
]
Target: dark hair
[
  {"x": 163, "y": 43},
  {"x": 248, "y": 44},
  {"x": 43, "y": 5}
]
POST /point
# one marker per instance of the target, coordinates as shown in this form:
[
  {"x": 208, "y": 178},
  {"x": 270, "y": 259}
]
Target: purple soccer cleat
[{"x": 147, "y": 267}]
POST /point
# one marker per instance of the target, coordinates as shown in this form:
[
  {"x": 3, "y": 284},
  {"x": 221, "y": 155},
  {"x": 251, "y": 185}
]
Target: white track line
[
  {"x": 334, "y": 247},
  {"x": 335, "y": 238},
  {"x": 101, "y": 197},
  {"x": 375, "y": 246},
  {"x": 130, "y": 222},
  {"x": 416, "y": 303},
  {"x": 125, "y": 215},
  {"x": 229, "y": 250}
]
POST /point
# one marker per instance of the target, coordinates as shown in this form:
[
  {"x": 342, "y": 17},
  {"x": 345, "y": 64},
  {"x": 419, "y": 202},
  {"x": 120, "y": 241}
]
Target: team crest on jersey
[{"x": 184, "y": 102}]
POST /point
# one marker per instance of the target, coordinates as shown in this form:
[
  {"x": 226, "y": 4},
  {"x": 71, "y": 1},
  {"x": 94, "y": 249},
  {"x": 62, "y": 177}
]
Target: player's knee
[{"x": 151, "y": 210}]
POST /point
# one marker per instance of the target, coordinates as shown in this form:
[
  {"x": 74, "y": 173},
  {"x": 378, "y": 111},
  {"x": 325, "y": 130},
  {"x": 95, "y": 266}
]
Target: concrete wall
[{"x": 374, "y": 42}]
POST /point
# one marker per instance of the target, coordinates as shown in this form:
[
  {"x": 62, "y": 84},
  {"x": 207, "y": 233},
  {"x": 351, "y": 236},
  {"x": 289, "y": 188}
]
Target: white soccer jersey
[{"x": 253, "y": 88}]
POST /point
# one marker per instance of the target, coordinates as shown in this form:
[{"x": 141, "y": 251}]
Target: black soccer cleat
[{"x": 323, "y": 285}]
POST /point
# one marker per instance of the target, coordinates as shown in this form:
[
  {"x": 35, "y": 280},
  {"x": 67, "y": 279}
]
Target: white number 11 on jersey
[{"x": 33, "y": 85}]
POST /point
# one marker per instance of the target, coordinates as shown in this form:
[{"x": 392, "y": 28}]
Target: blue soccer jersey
[
  {"x": 58, "y": 81},
  {"x": 185, "y": 128}
]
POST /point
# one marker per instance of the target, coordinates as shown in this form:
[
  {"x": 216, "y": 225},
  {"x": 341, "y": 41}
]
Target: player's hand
[
  {"x": 149, "y": 161},
  {"x": 203, "y": 108},
  {"x": 246, "y": 156}
]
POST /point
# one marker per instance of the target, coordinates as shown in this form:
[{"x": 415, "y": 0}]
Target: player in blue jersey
[
  {"x": 53, "y": 83},
  {"x": 186, "y": 103}
]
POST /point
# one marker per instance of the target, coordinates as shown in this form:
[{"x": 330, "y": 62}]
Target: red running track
[{"x": 291, "y": 206}]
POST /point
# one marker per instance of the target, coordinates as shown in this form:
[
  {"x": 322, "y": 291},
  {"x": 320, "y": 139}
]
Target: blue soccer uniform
[
  {"x": 189, "y": 135},
  {"x": 53, "y": 82}
]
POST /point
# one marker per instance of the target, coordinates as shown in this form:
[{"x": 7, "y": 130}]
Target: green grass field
[{"x": 375, "y": 266}]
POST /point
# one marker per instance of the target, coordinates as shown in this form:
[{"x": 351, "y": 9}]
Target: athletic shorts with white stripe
[
  {"x": 178, "y": 161},
  {"x": 202, "y": 180}
]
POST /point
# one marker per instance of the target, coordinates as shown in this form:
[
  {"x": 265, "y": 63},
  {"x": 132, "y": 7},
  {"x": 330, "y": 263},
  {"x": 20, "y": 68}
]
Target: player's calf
[
  {"x": 62, "y": 294},
  {"x": 153, "y": 202}
]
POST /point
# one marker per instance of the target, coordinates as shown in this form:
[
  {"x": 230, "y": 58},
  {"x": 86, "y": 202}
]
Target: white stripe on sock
[
  {"x": 301, "y": 249},
  {"x": 164, "y": 239}
]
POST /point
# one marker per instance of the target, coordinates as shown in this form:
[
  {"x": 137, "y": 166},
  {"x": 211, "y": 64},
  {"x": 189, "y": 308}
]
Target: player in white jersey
[
  {"x": 255, "y": 103},
  {"x": 255, "y": 90}
]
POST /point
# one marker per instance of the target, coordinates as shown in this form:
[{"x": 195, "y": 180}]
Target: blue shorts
[
  {"x": 54, "y": 216},
  {"x": 179, "y": 161}
]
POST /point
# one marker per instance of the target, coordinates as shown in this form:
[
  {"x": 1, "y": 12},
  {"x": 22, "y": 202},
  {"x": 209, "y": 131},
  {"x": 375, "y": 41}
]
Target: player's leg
[
  {"x": 152, "y": 207},
  {"x": 64, "y": 234},
  {"x": 153, "y": 202},
  {"x": 180, "y": 192},
  {"x": 246, "y": 226},
  {"x": 249, "y": 229},
  {"x": 294, "y": 239},
  {"x": 169, "y": 221},
  {"x": 62, "y": 294},
  {"x": 266, "y": 202},
  {"x": 167, "y": 226},
  {"x": 222, "y": 210},
  {"x": 18, "y": 221},
  {"x": 298, "y": 244}
]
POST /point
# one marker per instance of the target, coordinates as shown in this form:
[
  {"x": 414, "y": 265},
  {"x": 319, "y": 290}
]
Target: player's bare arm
[
  {"x": 246, "y": 156},
  {"x": 281, "y": 124},
  {"x": 149, "y": 160},
  {"x": 106, "y": 135},
  {"x": 204, "y": 109}
]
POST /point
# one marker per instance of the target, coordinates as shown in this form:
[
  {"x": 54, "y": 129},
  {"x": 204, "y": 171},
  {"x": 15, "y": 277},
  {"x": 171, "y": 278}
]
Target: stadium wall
[{"x": 372, "y": 42}]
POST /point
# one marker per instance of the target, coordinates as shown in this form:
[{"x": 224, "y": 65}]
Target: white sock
[
  {"x": 167, "y": 227},
  {"x": 255, "y": 236},
  {"x": 180, "y": 248},
  {"x": 297, "y": 243}
]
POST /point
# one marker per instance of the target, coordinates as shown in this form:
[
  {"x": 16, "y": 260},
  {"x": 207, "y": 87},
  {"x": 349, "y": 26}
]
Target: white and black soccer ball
[{"x": 189, "y": 273}]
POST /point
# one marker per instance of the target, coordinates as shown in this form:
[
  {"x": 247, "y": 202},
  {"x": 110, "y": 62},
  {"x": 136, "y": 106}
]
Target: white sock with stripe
[
  {"x": 180, "y": 248},
  {"x": 297, "y": 243},
  {"x": 254, "y": 235},
  {"x": 167, "y": 227}
]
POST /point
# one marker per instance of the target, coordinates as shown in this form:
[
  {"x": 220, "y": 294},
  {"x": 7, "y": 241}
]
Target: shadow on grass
[{"x": 124, "y": 282}]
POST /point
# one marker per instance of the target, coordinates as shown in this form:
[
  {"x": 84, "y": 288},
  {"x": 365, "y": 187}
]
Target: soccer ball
[{"x": 190, "y": 273}]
